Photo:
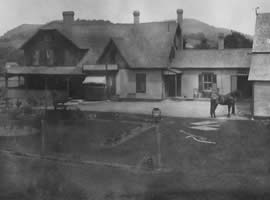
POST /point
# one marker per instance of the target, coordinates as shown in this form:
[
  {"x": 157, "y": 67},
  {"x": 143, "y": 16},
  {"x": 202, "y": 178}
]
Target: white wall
[
  {"x": 190, "y": 80},
  {"x": 126, "y": 84},
  {"x": 262, "y": 99}
]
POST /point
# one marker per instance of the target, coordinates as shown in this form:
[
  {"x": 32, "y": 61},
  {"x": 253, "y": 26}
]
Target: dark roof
[
  {"x": 260, "y": 70},
  {"x": 95, "y": 36},
  {"x": 214, "y": 58},
  {"x": 44, "y": 70},
  {"x": 147, "y": 45},
  {"x": 261, "y": 41}
]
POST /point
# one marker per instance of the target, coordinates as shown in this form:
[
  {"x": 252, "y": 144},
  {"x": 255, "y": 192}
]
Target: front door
[
  {"x": 111, "y": 84},
  {"x": 244, "y": 86},
  {"x": 172, "y": 85}
]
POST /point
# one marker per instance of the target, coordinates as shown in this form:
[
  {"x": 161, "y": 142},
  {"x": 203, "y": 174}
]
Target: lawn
[{"x": 235, "y": 166}]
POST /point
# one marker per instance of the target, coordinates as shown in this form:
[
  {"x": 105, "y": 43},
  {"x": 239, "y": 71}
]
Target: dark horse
[{"x": 228, "y": 99}]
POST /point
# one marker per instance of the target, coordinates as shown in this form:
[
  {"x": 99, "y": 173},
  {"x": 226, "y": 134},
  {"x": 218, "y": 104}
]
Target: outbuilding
[{"x": 259, "y": 72}]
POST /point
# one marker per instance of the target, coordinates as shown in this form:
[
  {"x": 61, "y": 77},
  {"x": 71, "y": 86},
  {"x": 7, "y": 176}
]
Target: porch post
[
  {"x": 6, "y": 81},
  {"x": 46, "y": 92},
  {"x": 175, "y": 82},
  {"x": 68, "y": 86},
  {"x": 26, "y": 82}
]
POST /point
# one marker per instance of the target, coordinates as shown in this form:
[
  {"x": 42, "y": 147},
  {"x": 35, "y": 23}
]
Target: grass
[{"x": 236, "y": 167}]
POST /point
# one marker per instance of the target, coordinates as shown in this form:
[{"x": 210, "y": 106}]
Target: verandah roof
[{"x": 43, "y": 70}]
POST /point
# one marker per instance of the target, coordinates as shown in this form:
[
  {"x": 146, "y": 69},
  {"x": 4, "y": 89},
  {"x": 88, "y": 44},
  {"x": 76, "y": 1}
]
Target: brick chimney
[
  {"x": 68, "y": 20},
  {"x": 136, "y": 15},
  {"x": 180, "y": 42},
  {"x": 221, "y": 41}
]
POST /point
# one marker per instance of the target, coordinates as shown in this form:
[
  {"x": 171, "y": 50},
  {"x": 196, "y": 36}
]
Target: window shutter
[
  {"x": 215, "y": 78},
  {"x": 200, "y": 82}
]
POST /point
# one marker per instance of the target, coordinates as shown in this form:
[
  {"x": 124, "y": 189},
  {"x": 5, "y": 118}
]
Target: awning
[
  {"x": 43, "y": 70},
  {"x": 171, "y": 72},
  {"x": 95, "y": 80},
  {"x": 100, "y": 67}
]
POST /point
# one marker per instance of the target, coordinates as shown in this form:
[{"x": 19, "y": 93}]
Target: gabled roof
[
  {"x": 214, "y": 58},
  {"x": 95, "y": 36},
  {"x": 261, "y": 41},
  {"x": 260, "y": 70},
  {"x": 147, "y": 45}
]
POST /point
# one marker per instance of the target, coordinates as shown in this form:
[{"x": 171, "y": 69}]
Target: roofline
[
  {"x": 260, "y": 52},
  {"x": 210, "y": 67},
  {"x": 40, "y": 30},
  {"x": 107, "y": 46},
  {"x": 148, "y": 68},
  {"x": 233, "y": 49}
]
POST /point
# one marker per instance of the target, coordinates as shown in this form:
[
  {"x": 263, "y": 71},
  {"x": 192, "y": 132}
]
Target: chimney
[
  {"x": 221, "y": 41},
  {"x": 68, "y": 20},
  {"x": 180, "y": 42},
  {"x": 136, "y": 15},
  {"x": 180, "y": 16}
]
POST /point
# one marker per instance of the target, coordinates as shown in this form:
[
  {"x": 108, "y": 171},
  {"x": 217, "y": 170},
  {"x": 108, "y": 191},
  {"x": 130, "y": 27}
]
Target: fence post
[{"x": 43, "y": 137}]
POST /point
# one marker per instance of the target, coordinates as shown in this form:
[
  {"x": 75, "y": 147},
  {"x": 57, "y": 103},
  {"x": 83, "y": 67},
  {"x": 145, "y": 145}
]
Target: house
[
  {"x": 259, "y": 73},
  {"x": 225, "y": 69},
  {"x": 62, "y": 55}
]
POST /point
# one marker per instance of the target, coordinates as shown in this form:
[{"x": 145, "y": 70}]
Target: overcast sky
[{"x": 233, "y": 14}]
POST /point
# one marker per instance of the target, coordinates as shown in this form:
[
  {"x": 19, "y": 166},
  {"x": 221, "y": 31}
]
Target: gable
[
  {"x": 112, "y": 55},
  {"x": 261, "y": 41},
  {"x": 40, "y": 36}
]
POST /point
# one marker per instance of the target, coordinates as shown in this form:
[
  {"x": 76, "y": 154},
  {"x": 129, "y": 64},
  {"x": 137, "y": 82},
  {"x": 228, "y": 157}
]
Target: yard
[{"x": 201, "y": 159}]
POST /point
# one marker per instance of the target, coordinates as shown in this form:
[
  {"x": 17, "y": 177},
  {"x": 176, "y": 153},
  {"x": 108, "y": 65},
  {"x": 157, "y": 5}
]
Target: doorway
[
  {"x": 241, "y": 83},
  {"x": 172, "y": 85}
]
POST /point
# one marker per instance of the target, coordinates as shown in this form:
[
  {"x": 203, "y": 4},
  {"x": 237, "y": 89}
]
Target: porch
[{"x": 40, "y": 82}]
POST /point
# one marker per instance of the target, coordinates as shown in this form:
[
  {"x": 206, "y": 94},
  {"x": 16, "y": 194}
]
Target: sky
[{"x": 232, "y": 14}]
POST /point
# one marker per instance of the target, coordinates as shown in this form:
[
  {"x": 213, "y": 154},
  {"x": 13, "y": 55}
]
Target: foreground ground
[
  {"x": 172, "y": 108},
  {"x": 231, "y": 160}
]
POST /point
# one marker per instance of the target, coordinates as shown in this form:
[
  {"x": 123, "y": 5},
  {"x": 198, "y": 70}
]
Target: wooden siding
[
  {"x": 262, "y": 99},
  {"x": 64, "y": 52}
]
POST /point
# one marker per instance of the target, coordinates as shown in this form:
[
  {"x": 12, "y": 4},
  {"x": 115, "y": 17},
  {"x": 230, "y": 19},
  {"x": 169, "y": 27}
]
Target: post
[
  {"x": 175, "y": 83},
  {"x": 252, "y": 102},
  {"x": 5, "y": 96},
  {"x": 46, "y": 93},
  {"x": 68, "y": 86},
  {"x": 106, "y": 77},
  {"x": 6, "y": 81},
  {"x": 158, "y": 146},
  {"x": 43, "y": 137}
]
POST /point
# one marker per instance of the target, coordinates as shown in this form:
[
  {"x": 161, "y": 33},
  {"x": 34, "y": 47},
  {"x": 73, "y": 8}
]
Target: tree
[
  {"x": 203, "y": 44},
  {"x": 237, "y": 40}
]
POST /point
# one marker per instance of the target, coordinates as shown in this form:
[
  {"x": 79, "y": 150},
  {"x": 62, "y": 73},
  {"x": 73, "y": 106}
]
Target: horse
[{"x": 227, "y": 99}]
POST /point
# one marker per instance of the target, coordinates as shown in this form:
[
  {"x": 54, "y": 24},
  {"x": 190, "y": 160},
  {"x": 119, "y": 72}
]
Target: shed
[
  {"x": 259, "y": 72},
  {"x": 94, "y": 88}
]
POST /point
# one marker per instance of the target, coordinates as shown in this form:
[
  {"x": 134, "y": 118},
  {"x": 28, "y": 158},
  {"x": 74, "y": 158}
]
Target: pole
[
  {"x": 158, "y": 146},
  {"x": 106, "y": 77},
  {"x": 68, "y": 86},
  {"x": 43, "y": 136}
]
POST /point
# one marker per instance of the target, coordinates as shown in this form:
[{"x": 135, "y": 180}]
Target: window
[
  {"x": 36, "y": 56},
  {"x": 50, "y": 56},
  {"x": 141, "y": 83},
  {"x": 206, "y": 81}
]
